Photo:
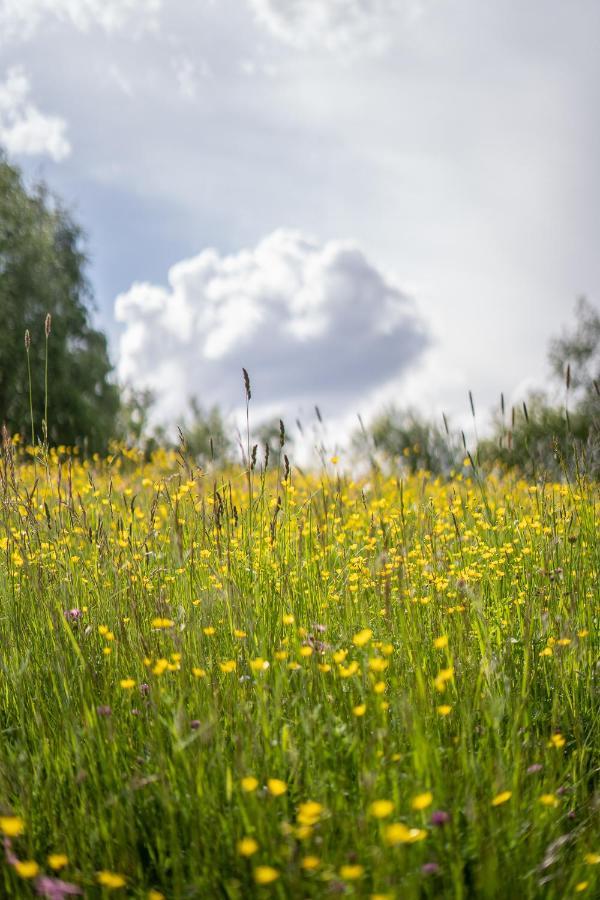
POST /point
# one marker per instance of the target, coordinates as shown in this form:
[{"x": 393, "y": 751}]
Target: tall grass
[{"x": 187, "y": 661}]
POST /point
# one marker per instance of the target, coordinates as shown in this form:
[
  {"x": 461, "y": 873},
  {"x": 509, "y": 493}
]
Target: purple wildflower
[
  {"x": 73, "y": 615},
  {"x": 430, "y": 868},
  {"x": 55, "y": 889},
  {"x": 439, "y": 817},
  {"x": 11, "y": 859},
  {"x": 104, "y": 710},
  {"x": 536, "y": 767}
]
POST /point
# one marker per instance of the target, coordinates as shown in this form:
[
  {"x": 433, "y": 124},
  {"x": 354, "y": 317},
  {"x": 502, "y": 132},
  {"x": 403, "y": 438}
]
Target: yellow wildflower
[
  {"x": 265, "y": 874},
  {"x": 27, "y": 868},
  {"x": 361, "y": 638},
  {"x": 377, "y": 664},
  {"x": 12, "y": 826},
  {"x": 160, "y": 666},
  {"x": 381, "y": 809},
  {"x": 162, "y": 623},
  {"x": 111, "y": 880},
  {"x": 352, "y": 872},
  {"x": 259, "y": 664},
  {"x": 422, "y": 801},
  {"x": 310, "y": 812},
  {"x": 247, "y": 846},
  {"x": 276, "y": 787},
  {"x": 249, "y": 783},
  {"x": 228, "y": 666},
  {"x": 398, "y": 833},
  {"x": 348, "y": 671}
]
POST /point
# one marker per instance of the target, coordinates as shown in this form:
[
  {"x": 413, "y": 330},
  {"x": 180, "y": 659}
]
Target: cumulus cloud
[
  {"x": 313, "y": 323},
  {"x": 188, "y": 73},
  {"x": 24, "y": 130},
  {"x": 334, "y": 24},
  {"x": 21, "y": 18}
]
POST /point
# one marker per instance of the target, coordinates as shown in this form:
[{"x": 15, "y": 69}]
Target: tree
[
  {"x": 206, "y": 436},
  {"x": 133, "y": 421},
  {"x": 546, "y": 440},
  {"x": 405, "y": 437},
  {"x": 578, "y": 351},
  {"x": 273, "y": 434},
  {"x": 543, "y": 441},
  {"x": 42, "y": 270}
]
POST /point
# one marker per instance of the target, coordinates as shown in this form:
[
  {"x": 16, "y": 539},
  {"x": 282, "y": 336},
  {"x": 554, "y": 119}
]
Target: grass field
[{"x": 247, "y": 685}]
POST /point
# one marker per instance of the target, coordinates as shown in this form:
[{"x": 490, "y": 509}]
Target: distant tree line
[
  {"x": 57, "y": 383},
  {"x": 542, "y": 438}
]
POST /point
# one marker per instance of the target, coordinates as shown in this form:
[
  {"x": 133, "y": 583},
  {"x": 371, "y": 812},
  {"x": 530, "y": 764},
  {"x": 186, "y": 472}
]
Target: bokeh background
[{"x": 361, "y": 201}]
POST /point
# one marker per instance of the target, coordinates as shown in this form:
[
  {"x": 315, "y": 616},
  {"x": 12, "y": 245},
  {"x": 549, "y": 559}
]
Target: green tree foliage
[
  {"x": 543, "y": 442},
  {"x": 405, "y": 437},
  {"x": 205, "y": 435},
  {"x": 133, "y": 426},
  {"x": 548, "y": 439},
  {"x": 577, "y": 353},
  {"x": 42, "y": 270},
  {"x": 273, "y": 434}
]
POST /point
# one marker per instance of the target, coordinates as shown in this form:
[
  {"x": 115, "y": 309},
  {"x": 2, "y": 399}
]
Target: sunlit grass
[{"x": 370, "y": 688}]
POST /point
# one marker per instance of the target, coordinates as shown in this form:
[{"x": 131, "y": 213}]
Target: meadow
[{"x": 255, "y": 684}]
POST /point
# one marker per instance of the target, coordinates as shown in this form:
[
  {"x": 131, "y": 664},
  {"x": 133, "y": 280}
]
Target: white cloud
[
  {"x": 250, "y": 68},
  {"x": 333, "y": 24},
  {"x": 312, "y": 324},
  {"x": 24, "y": 130},
  {"x": 21, "y": 18},
  {"x": 187, "y": 74},
  {"x": 120, "y": 80}
]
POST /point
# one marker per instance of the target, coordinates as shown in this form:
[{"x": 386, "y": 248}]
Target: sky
[{"x": 360, "y": 201}]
